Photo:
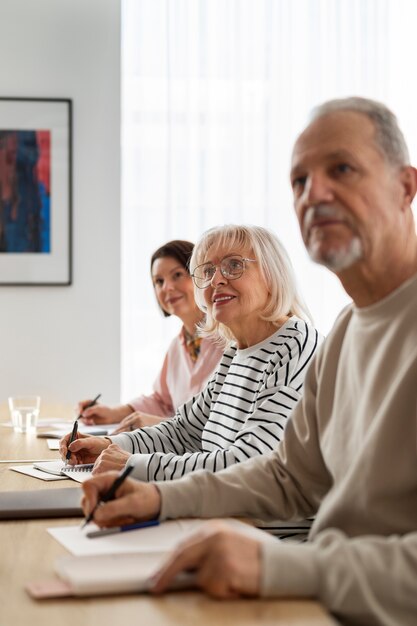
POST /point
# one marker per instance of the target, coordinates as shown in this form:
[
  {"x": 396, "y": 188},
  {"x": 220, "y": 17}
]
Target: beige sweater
[{"x": 349, "y": 455}]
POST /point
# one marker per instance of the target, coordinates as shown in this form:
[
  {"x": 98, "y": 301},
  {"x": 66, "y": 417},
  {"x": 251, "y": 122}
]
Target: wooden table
[{"x": 28, "y": 553}]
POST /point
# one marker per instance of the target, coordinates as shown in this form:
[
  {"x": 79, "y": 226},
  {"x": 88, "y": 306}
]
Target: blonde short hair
[{"x": 275, "y": 268}]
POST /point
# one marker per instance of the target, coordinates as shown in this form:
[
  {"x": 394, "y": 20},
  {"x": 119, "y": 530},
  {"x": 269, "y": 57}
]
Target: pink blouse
[{"x": 179, "y": 379}]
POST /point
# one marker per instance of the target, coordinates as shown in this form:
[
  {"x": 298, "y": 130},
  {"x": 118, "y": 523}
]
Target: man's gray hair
[{"x": 388, "y": 136}]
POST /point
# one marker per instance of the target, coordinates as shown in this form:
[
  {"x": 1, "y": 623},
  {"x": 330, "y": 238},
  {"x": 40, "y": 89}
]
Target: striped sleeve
[
  {"x": 177, "y": 435},
  {"x": 261, "y": 433}
]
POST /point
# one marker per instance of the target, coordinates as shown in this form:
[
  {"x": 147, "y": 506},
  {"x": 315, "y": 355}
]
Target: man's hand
[
  {"x": 112, "y": 458},
  {"x": 137, "y": 420},
  {"x": 227, "y": 564},
  {"x": 134, "y": 500},
  {"x": 84, "y": 449}
]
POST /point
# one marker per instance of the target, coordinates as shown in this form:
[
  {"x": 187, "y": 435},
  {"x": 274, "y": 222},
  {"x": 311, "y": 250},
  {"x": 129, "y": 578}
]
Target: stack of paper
[{"x": 90, "y": 576}]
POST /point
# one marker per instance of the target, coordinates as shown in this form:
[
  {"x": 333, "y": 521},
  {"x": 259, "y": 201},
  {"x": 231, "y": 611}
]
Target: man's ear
[{"x": 408, "y": 179}]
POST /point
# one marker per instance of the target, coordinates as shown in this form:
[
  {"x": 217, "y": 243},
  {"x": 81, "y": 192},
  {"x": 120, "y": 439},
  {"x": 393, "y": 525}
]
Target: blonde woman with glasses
[{"x": 245, "y": 285}]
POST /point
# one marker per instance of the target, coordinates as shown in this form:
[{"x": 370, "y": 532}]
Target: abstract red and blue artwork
[{"x": 25, "y": 191}]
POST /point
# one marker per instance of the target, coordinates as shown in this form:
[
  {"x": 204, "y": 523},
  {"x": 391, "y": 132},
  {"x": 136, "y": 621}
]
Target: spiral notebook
[{"x": 80, "y": 473}]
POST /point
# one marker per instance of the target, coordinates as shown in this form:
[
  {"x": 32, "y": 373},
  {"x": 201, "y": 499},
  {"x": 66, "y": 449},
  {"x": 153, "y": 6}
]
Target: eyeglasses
[{"x": 231, "y": 267}]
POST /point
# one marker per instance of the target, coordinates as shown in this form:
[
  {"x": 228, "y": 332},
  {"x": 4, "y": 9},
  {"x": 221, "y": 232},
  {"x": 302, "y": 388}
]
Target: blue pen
[{"x": 121, "y": 529}]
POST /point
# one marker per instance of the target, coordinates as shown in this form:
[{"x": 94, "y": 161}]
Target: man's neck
[{"x": 367, "y": 285}]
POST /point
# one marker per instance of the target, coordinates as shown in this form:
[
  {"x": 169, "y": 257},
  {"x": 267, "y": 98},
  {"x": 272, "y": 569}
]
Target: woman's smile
[{"x": 221, "y": 299}]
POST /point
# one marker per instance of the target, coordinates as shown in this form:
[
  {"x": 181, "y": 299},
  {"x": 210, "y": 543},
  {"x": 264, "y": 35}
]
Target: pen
[
  {"x": 75, "y": 427},
  {"x": 121, "y": 529},
  {"x": 109, "y": 495}
]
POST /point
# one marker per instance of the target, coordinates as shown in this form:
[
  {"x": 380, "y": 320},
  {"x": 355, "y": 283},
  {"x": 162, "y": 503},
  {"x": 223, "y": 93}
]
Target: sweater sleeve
[{"x": 368, "y": 580}]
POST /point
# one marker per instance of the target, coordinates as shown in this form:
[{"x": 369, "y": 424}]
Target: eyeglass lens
[{"x": 230, "y": 267}]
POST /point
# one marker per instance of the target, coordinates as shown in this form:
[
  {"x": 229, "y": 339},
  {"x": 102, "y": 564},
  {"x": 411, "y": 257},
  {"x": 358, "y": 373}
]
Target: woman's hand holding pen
[
  {"x": 134, "y": 500},
  {"x": 85, "y": 449},
  {"x": 102, "y": 414}
]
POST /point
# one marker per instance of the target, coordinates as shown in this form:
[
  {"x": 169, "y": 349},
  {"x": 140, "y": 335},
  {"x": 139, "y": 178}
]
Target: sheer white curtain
[{"x": 214, "y": 93}]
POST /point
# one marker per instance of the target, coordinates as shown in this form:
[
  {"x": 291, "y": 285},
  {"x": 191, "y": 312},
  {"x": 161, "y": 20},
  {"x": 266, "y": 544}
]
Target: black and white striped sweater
[{"x": 241, "y": 413}]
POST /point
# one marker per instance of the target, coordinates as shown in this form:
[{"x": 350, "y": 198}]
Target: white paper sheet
[
  {"x": 53, "y": 444},
  {"x": 162, "y": 538}
]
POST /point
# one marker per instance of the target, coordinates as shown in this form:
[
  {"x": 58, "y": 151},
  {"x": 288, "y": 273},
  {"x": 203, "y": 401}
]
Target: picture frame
[{"x": 35, "y": 191}]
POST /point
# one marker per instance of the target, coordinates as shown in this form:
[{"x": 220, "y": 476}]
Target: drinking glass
[{"x": 24, "y": 412}]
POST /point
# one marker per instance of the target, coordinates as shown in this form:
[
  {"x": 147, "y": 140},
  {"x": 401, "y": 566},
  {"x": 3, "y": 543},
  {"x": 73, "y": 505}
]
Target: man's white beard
[{"x": 338, "y": 259}]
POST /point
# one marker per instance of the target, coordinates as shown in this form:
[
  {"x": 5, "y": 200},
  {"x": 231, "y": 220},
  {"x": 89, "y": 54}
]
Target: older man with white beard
[{"x": 349, "y": 453}]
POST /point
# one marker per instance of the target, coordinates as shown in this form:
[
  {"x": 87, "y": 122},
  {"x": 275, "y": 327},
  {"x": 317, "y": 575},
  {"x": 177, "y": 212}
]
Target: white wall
[{"x": 64, "y": 342}]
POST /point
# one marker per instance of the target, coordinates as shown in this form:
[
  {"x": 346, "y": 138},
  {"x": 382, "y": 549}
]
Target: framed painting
[{"x": 35, "y": 191}]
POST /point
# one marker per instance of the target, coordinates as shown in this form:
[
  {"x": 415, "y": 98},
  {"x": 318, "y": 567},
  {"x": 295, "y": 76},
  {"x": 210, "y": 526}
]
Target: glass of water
[{"x": 24, "y": 411}]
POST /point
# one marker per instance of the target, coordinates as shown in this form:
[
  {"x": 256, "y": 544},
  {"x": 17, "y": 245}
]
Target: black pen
[
  {"x": 75, "y": 427},
  {"x": 110, "y": 494}
]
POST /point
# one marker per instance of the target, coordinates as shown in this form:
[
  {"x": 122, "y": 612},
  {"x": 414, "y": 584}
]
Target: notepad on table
[
  {"x": 56, "y": 470},
  {"x": 29, "y": 470},
  {"x": 80, "y": 473},
  {"x": 90, "y": 576}
]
